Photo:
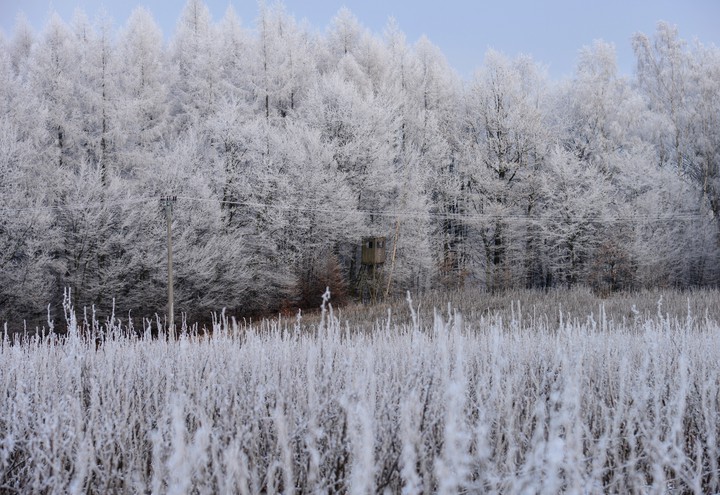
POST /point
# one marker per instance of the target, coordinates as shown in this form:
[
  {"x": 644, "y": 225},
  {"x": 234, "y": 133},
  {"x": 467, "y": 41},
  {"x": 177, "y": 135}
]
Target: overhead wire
[
  {"x": 74, "y": 206},
  {"x": 421, "y": 215},
  {"x": 401, "y": 214}
]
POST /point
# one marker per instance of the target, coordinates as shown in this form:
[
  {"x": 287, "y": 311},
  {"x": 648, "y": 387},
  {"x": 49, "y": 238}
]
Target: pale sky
[{"x": 551, "y": 31}]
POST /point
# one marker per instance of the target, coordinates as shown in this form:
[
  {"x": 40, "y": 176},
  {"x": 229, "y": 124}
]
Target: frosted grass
[{"x": 441, "y": 405}]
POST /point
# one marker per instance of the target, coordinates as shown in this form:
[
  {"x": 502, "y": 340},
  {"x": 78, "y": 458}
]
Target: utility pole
[{"x": 168, "y": 202}]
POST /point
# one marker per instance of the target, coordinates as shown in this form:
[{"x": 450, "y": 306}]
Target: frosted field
[{"x": 512, "y": 400}]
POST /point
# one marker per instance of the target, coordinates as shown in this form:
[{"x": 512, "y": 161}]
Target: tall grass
[{"x": 508, "y": 401}]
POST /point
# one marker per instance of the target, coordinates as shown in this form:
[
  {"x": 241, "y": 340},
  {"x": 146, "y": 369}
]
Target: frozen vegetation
[
  {"x": 287, "y": 145},
  {"x": 522, "y": 398}
]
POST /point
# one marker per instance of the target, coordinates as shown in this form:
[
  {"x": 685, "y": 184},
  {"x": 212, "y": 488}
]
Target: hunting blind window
[{"x": 373, "y": 251}]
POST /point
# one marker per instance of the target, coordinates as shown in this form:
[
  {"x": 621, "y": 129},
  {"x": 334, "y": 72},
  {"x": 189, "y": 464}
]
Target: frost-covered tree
[
  {"x": 317, "y": 210},
  {"x": 281, "y": 66},
  {"x": 344, "y": 36},
  {"x": 96, "y": 82},
  {"x": 210, "y": 260},
  {"x": 195, "y": 87},
  {"x": 96, "y": 260},
  {"x": 235, "y": 52},
  {"x": 662, "y": 75},
  {"x": 576, "y": 214},
  {"x": 358, "y": 132},
  {"x": 20, "y": 46},
  {"x": 705, "y": 125},
  {"x": 598, "y": 113},
  {"x": 143, "y": 106},
  {"x": 432, "y": 104},
  {"x": 28, "y": 235},
  {"x": 675, "y": 82},
  {"x": 504, "y": 144},
  {"x": 52, "y": 70}
]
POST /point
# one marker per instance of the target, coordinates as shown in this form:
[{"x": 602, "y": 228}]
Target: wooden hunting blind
[{"x": 373, "y": 251}]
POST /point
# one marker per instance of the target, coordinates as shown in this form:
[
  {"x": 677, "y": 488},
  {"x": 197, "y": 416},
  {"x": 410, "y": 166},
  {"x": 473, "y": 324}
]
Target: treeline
[{"x": 285, "y": 147}]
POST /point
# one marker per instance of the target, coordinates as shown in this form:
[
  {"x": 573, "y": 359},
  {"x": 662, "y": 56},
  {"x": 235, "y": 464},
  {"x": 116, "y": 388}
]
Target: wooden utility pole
[{"x": 168, "y": 202}]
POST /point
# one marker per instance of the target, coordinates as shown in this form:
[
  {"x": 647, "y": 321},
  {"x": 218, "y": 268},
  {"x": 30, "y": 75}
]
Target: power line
[
  {"x": 407, "y": 214},
  {"x": 79, "y": 206},
  {"x": 421, "y": 215}
]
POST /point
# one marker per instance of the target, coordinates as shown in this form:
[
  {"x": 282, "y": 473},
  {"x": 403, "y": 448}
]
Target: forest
[{"x": 286, "y": 147}]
